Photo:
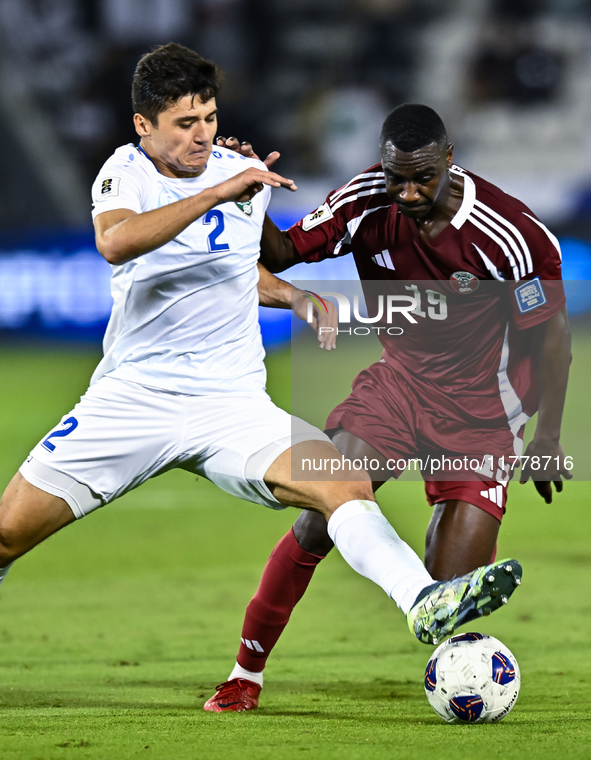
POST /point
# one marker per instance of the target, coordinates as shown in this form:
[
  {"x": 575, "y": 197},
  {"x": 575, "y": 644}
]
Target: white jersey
[{"x": 185, "y": 316}]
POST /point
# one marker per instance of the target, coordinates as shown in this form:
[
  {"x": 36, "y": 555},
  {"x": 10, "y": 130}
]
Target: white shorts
[{"x": 121, "y": 433}]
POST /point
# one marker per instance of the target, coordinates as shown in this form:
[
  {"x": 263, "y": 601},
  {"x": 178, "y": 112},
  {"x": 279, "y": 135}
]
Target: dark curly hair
[{"x": 167, "y": 74}]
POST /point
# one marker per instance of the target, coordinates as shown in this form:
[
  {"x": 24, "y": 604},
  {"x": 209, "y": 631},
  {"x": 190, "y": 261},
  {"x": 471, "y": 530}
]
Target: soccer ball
[{"x": 472, "y": 678}]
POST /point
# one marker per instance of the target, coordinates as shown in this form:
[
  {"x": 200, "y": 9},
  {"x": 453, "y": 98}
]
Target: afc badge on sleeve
[
  {"x": 109, "y": 188},
  {"x": 322, "y": 214},
  {"x": 530, "y": 295}
]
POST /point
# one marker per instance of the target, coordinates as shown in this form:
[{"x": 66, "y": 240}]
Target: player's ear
[
  {"x": 143, "y": 126},
  {"x": 450, "y": 155}
]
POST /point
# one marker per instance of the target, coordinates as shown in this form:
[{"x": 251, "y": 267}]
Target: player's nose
[
  {"x": 409, "y": 194},
  {"x": 200, "y": 133}
]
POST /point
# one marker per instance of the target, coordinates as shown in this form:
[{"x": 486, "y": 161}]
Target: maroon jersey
[{"x": 494, "y": 265}]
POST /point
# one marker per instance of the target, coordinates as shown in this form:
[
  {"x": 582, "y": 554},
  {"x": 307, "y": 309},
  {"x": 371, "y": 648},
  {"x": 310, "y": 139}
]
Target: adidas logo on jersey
[{"x": 383, "y": 259}]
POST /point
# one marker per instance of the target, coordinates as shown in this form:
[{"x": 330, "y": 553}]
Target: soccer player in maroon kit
[{"x": 417, "y": 217}]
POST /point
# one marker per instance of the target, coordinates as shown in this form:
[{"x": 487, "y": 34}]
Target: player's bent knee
[
  {"x": 291, "y": 483},
  {"x": 340, "y": 493},
  {"x": 311, "y": 533}
]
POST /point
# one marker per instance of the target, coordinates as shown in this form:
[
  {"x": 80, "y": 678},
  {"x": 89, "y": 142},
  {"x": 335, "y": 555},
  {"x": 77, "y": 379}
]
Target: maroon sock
[{"x": 286, "y": 576}]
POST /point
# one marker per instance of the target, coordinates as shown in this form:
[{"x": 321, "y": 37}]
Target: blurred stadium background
[{"x": 511, "y": 78}]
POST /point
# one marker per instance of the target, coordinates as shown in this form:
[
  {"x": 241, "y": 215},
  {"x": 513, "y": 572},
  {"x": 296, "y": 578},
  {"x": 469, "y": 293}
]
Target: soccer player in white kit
[{"x": 182, "y": 381}]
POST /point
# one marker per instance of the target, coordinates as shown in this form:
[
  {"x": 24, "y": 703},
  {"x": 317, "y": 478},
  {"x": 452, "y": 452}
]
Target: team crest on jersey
[
  {"x": 322, "y": 214},
  {"x": 245, "y": 207},
  {"x": 110, "y": 187},
  {"x": 464, "y": 282}
]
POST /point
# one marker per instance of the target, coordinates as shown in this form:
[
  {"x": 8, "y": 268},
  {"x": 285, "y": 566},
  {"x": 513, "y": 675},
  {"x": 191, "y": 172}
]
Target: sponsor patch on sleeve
[
  {"x": 109, "y": 188},
  {"x": 530, "y": 295},
  {"x": 322, "y": 214}
]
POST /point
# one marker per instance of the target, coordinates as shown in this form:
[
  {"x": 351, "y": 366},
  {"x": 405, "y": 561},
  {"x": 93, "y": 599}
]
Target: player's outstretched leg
[
  {"x": 285, "y": 578},
  {"x": 443, "y": 606},
  {"x": 371, "y": 546}
]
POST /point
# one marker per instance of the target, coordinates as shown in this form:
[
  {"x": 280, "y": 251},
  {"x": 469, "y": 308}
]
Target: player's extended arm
[
  {"x": 123, "y": 235},
  {"x": 281, "y": 295},
  {"x": 553, "y": 368},
  {"x": 277, "y": 249}
]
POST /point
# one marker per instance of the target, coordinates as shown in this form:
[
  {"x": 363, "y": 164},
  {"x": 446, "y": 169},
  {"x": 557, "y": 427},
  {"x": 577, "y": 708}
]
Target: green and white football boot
[{"x": 440, "y": 608}]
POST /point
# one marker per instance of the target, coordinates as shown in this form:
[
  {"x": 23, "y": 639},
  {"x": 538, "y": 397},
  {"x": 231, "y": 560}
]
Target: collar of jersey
[{"x": 468, "y": 200}]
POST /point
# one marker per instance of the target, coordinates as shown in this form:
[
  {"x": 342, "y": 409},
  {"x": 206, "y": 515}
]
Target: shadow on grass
[
  {"x": 321, "y": 694},
  {"x": 381, "y": 703},
  {"x": 377, "y": 689}
]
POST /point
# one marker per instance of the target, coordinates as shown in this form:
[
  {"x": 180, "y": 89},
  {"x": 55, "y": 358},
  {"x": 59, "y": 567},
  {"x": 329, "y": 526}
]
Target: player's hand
[
  {"x": 325, "y": 317},
  {"x": 244, "y": 186},
  {"x": 245, "y": 149},
  {"x": 545, "y": 460}
]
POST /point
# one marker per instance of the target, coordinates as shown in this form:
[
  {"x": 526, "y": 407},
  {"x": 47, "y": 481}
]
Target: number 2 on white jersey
[{"x": 217, "y": 217}]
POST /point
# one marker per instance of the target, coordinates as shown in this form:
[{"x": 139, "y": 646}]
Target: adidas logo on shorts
[{"x": 494, "y": 494}]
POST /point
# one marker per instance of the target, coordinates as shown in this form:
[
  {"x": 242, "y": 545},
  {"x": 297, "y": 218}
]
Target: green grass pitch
[{"x": 115, "y": 631}]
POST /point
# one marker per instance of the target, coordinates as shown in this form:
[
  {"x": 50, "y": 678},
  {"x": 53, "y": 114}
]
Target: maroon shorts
[{"x": 404, "y": 421}]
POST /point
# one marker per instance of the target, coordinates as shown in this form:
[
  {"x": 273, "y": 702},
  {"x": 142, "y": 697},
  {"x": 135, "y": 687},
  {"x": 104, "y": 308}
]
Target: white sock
[
  {"x": 240, "y": 672},
  {"x": 368, "y": 543},
  {"x": 4, "y": 571}
]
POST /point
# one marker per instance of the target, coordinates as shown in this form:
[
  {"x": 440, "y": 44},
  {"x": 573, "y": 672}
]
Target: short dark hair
[
  {"x": 169, "y": 73},
  {"x": 412, "y": 126}
]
